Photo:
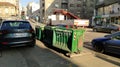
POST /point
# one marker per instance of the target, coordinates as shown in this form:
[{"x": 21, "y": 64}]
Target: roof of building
[{"x": 6, "y": 4}]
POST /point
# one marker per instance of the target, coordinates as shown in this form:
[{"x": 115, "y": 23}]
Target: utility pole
[{"x": 95, "y": 10}]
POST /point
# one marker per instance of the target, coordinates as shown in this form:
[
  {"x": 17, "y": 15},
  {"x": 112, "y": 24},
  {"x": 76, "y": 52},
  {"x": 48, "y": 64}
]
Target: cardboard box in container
[{"x": 81, "y": 22}]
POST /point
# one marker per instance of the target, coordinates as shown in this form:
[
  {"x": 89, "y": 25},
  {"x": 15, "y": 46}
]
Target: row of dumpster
[{"x": 70, "y": 40}]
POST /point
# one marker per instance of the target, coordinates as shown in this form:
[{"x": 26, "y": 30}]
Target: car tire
[
  {"x": 32, "y": 44},
  {"x": 99, "y": 49},
  {"x": 94, "y": 30}
]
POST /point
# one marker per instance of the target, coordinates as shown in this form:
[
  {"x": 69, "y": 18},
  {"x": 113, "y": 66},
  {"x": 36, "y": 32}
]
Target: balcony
[
  {"x": 64, "y": 1},
  {"x": 64, "y": 6},
  {"x": 105, "y": 3}
]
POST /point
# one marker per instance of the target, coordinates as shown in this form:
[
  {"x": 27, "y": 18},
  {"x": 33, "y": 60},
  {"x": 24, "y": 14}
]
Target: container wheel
[{"x": 94, "y": 30}]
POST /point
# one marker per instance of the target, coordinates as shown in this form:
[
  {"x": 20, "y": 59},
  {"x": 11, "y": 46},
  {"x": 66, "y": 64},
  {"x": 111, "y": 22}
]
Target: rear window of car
[{"x": 15, "y": 25}]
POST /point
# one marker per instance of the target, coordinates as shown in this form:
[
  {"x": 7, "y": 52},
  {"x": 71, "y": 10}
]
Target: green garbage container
[
  {"x": 70, "y": 40},
  {"x": 77, "y": 40},
  {"x": 62, "y": 39},
  {"x": 39, "y": 32}
]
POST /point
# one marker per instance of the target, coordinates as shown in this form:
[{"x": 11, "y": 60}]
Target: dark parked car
[
  {"x": 16, "y": 33},
  {"x": 109, "y": 43},
  {"x": 111, "y": 28}
]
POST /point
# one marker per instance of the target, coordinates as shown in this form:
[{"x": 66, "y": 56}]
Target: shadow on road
[
  {"x": 88, "y": 45},
  {"x": 112, "y": 58},
  {"x": 37, "y": 57},
  {"x": 109, "y": 57}
]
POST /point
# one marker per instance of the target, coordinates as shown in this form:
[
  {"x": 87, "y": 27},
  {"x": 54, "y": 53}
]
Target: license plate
[
  {"x": 21, "y": 34},
  {"x": 16, "y": 35}
]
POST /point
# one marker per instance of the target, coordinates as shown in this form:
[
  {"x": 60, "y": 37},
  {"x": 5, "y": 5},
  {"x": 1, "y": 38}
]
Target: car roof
[{"x": 15, "y": 21}]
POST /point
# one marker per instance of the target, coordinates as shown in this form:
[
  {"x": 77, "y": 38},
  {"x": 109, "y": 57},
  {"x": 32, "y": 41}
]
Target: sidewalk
[{"x": 87, "y": 58}]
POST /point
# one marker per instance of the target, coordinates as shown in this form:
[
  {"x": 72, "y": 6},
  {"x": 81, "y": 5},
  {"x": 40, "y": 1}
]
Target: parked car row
[
  {"x": 20, "y": 33},
  {"x": 108, "y": 43},
  {"x": 110, "y": 28}
]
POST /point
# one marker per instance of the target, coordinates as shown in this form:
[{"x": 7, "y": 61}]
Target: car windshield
[
  {"x": 15, "y": 25},
  {"x": 114, "y": 34}
]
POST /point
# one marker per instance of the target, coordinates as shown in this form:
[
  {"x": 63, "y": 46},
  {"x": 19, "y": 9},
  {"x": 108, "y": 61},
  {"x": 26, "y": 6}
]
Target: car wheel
[
  {"x": 32, "y": 44},
  {"x": 99, "y": 49},
  {"x": 95, "y": 30}
]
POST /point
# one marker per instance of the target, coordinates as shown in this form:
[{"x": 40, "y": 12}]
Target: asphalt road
[
  {"x": 32, "y": 57},
  {"x": 42, "y": 56}
]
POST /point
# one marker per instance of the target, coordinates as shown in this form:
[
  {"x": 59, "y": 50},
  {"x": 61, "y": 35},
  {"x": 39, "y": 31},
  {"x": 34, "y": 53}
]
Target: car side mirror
[
  {"x": 106, "y": 35},
  {"x": 109, "y": 36}
]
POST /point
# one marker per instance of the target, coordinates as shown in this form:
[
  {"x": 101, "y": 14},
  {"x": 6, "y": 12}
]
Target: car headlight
[
  {"x": 93, "y": 42},
  {"x": 103, "y": 42}
]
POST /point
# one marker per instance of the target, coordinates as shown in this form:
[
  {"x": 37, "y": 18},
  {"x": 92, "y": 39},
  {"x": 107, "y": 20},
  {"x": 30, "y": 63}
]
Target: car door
[
  {"x": 103, "y": 28},
  {"x": 108, "y": 28},
  {"x": 112, "y": 28},
  {"x": 113, "y": 45},
  {"x": 99, "y": 28}
]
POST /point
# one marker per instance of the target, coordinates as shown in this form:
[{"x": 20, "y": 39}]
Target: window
[
  {"x": 43, "y": 4},
  {"x": 15, "y": 25},
  {"x": 43, "y": 12},
  {"x": 78, "y": 5},
  {"x": 117, "y": 37},
  {"x": 65, "y": 1},
  {"x": 64, "y": 6},
  {"x": 71, "y": 5},
  {"x": 6, "y": 10}
]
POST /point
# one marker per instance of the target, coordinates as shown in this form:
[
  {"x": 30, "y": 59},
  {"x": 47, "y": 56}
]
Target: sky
[{"x": 25, "y": 2}]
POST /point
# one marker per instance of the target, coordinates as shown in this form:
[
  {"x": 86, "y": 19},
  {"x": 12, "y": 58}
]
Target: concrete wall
[{"x": 63, "y": 22}]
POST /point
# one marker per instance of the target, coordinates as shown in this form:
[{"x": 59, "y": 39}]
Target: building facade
[
  {"x": 35, "y": 15},
  {"x": 9, "y": 8},
  {"x": 107, "y": 12},
  {"x": 14, "y": 2},
  {"x": 47, "y": 7},
  {"x": 81, "y": 8},
  {"x": 31, "y": 8}
]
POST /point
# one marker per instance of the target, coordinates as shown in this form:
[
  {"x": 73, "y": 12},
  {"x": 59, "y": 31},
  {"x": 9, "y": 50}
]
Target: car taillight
[
  {"x": 66, "y": 26},
  {"x": 119, "y": 28},
  {"x": 4, "y": 43},
  {"x": 31, "y": 31},
  {"x": 0, "y": 33},
  {"x": 3, "y": 32}
]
